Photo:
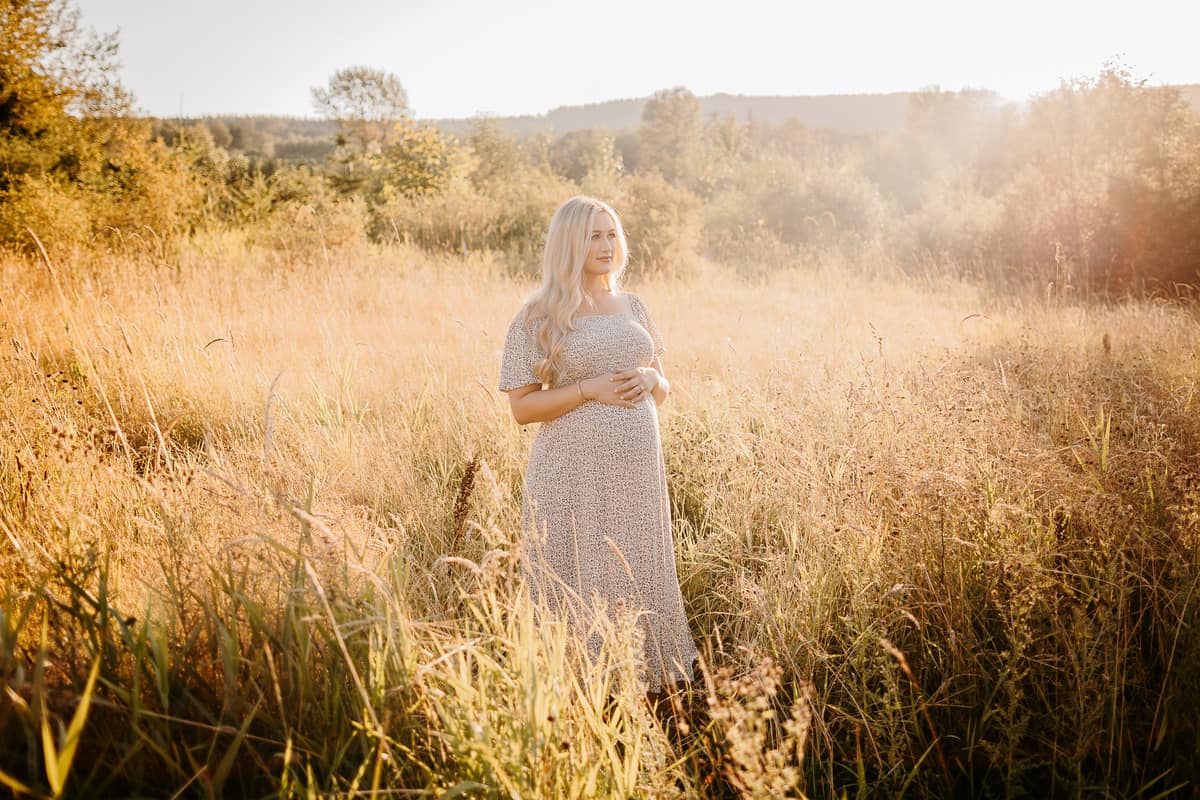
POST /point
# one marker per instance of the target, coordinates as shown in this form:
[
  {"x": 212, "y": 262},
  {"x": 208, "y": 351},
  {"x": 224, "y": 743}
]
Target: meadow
[{"x": 259, "y": 517}]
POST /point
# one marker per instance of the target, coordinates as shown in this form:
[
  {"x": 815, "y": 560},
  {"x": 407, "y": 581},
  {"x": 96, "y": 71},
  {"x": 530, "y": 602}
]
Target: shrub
[
  {"x": 308, "y": 230},
  {"x": 737, "y": 235},
  {"x": 1108, "y": 194},
  {"x": 662, "y": 223},
  {"x": 508, "y": 217},
  {"x": 825, "y": 208},
  {"x": 956, "y": 223},
  {"x": 55, "y": 210}
]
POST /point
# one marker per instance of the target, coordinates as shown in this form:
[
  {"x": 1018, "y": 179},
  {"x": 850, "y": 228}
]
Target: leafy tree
[
  {"x": 537, "y": 147},
  {"x": 71, "y": 159},
  {"x": 578, "y": 154},
  {"x": 380, "y": 152},
  {"x": 1108, "y": 191},
  {"x": 670, "y": 134},
  {"x": 417, "y": 160},
  {"x": 498, "y": 154},
  {"x": 53, "y": 75},
  {"x": 724, "y": 147},
  {"x": 663, "y": 224},
  {"x": 365, "y": 102},
  {"x": 247, "y": 137},
  {"x": 627, "y": 144},
  {"x": 222, "y": 136}
]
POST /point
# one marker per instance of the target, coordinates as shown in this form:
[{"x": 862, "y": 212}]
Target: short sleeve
[
  {"x": 520, "y": 354},
  {"x": 643, "y": 317}
]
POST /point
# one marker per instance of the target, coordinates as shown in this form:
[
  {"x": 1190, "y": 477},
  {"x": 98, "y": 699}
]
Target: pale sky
[{"x": 457, "y": 58}]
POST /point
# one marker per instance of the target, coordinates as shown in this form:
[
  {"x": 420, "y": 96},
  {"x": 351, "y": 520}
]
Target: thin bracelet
[{"x": 579, "y": 383}]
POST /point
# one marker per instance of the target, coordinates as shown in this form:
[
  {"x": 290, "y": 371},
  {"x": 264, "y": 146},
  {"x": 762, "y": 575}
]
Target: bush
[
  {"x": 1109, "y": 193},
  {"x": 510, "y": 218},
  {"x": 956, "y": 223},
  {"x": 662, "y": 224},
  {"x": 55, "y": 210},
  {"x": 737, "y": 235},
  {"x": 309, "y": 230},
  {"x": 826, "y": 208},
  {"x": 144, "y": 184}
]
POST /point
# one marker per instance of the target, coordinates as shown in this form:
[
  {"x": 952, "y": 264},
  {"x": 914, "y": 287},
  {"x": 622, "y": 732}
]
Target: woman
[{"x": 584, "y": 359}]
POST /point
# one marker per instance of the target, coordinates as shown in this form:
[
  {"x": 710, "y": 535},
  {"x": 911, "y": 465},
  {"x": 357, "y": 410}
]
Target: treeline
[
  {"x": 288, "y": 138},
  {"x": 296, "y": 138},
  {"x": 1095, "y": 187},
  {"x": 305, "y": 139}
]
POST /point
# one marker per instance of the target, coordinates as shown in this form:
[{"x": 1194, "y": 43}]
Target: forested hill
[
  {"x": 851, "y": 112},
  {"x": 312, "y": 139},
  {"x": 301, "y": 138}
]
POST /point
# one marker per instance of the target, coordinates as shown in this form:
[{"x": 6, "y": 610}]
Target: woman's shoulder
[
  {"x": 636, "y": 304},
  {"x": 526, "y": 318}
]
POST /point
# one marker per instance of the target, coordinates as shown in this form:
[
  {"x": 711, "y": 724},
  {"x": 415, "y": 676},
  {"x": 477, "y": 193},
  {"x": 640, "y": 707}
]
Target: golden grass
[{"x": 931, "y": 539}]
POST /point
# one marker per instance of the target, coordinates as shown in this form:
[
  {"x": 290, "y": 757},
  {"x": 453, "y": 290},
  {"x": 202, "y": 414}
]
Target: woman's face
[{"x": 602, "y": 245}]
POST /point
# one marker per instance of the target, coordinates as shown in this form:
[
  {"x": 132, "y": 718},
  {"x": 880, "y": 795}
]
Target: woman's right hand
[{"x": 603, "y": 389}]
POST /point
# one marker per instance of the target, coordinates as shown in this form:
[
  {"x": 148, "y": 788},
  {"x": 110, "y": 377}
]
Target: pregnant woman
[{"x": 584, "y": 360}]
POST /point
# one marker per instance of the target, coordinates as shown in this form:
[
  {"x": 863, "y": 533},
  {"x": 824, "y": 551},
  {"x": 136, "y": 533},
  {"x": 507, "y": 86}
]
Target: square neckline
[{"x": 628, "y": 312}]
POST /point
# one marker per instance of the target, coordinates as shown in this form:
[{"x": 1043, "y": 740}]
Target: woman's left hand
[{"x": 635, "y": 383}]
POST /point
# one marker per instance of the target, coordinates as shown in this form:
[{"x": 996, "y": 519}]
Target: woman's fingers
[
  {"x": 633, "y": 390},
  {"x": 628, "y": 390}
]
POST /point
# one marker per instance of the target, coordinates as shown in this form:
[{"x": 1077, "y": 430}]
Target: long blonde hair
[{"x": 561, "y": 294}]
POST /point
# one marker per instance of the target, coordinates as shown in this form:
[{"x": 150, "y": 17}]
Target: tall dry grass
[{"x": 931, "y": 541}]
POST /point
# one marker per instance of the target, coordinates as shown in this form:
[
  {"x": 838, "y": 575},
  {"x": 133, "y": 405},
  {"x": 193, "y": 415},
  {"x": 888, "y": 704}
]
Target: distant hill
[
  {"x": 847, "y": 113},
  {"x": 307, "y": 139},
  {"x": 852, "y": 113}
]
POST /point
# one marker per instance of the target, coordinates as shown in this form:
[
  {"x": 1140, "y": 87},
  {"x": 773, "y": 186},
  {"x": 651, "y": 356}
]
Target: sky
[{"x": 458, "y": 58}]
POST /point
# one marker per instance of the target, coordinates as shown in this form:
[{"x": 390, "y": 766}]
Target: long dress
[{"x": 596, "y": 484}]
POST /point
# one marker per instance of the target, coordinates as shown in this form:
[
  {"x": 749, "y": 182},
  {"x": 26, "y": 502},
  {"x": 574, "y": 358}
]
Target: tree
[
  {"x": 1109, "y": 185},
  {"x": 725, "y": 146},
  {"x": 53, "y": 74},
  {"x": 246, "y": 136},
  {"x": 365, "y": 102},
  {"x": 497, "y": 152},
  {"x": 579, "y": 154},
  {"x": 222, "y": 136},
  {"x": 72, "y": 162},
  {"x": 670, "y": 134},
  {"x": 951, "y": 129},
  {"x": 416, "y": 161},
  {"x": 368, "y": 104}
]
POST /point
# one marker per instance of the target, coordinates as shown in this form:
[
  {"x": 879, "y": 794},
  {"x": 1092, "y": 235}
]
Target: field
[{"x": 933, "y": 538}]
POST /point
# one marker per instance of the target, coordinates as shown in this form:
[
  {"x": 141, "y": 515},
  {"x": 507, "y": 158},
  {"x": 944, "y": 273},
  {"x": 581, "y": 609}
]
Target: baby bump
[
  {"x": 597, "y": 435},
  {"x": 594, "y": 454}
]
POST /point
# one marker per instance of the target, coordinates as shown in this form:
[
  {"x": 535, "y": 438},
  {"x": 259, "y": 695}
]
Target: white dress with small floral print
[{"x": 596, "y": 484}]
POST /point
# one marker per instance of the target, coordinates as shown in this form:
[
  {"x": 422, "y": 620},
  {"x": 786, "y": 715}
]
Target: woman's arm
[
  {"x": 663, "y": 387},
  {"x": 532, "y": 403}
]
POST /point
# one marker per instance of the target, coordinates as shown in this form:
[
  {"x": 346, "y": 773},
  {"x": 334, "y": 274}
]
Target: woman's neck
[{"x": 596, "y": 287}]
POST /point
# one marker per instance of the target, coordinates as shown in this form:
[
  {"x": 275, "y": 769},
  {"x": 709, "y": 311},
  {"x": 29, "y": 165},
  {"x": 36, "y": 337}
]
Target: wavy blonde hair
[{"x": 560, "y": 296}]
